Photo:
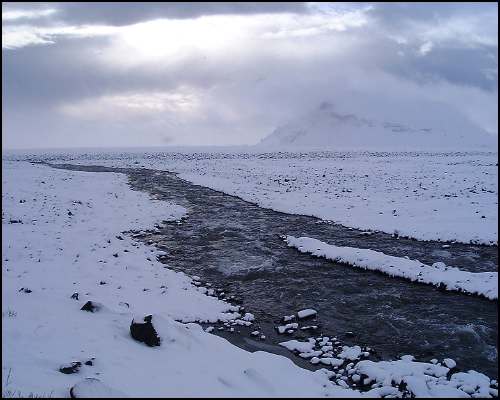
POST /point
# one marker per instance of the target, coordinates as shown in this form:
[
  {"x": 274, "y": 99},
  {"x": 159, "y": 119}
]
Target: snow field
[
  {"x": 63, "y": 234},
  {"x": 427, "y": 196}
]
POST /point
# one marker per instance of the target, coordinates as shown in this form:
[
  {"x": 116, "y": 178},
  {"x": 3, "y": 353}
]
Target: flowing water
[{"x": 238, "y": 246}]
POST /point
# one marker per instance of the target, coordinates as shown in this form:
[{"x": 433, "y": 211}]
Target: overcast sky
[{"x": 156, "y": 74}]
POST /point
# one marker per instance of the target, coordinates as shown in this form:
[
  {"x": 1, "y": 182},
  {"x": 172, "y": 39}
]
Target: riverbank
[{"x": 179, "y": 242}]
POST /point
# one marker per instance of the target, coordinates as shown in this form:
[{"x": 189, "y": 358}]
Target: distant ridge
[{"x": 433, "y": 127}]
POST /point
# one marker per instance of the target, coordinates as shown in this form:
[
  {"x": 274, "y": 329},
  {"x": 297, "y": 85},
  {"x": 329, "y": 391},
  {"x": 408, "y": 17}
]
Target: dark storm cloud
[
  {"x": 113, "y": 13},
  {"x": 398, "y": 15},
  {"x": 64, "y": 72},
  {"x": 462, "y": 66},
  {"x": 243, "y": 93},
  {"x": 462, "y": 38}
]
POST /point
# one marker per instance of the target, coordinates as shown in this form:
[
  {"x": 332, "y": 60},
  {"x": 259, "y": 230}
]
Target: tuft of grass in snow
[
  {"x": 8, "y": 393},
  {"x": 17, "y": 394}
]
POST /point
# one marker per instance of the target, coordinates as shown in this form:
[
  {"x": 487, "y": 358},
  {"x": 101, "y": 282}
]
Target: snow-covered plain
[
  {"x": 426, "y": 196},
  {"x": 438, "y": 274},
  {"x": 62, "y": 234},
  {"x": 423, "y": 196}
]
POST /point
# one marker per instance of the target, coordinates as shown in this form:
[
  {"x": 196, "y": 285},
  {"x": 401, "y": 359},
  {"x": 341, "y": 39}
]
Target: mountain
[{"x": 427, "y": 126}]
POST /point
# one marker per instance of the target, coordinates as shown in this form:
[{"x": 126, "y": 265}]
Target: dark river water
[{"x": 237, "y": 246}]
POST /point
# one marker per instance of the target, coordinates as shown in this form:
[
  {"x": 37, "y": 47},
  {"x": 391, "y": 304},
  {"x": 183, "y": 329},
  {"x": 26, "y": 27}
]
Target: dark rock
[
  {"x": 89, "y": 362},
  {"x": 115, "y": 255},
  {"x": 72, "y": 368},
  {"x": 91, "y": 306},
  {"x": 119, "y": 237},
  {"x": 75, "y": 295},
  {"x": 145, "y": 332},
  {"x": 442, "y": 287},
  {"x": 102, "y": 283},
  {"x": 25, "y": 290}
]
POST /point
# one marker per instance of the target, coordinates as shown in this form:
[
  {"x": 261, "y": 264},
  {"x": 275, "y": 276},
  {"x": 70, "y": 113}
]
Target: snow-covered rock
[
  {"x": 309, "y": 312},
  {"x": 350, "y": 353}
]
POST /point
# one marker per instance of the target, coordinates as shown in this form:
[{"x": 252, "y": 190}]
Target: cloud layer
[{"x": 136, "y": 74}]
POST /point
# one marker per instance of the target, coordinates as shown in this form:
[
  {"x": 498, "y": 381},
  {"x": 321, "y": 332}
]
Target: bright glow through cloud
[{"x": 223, "y": 73}]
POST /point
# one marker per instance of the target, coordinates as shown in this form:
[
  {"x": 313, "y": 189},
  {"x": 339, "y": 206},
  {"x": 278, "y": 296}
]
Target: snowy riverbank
[
  {"x": 64, "y": 245},
  {"x": 62, "y": 234},
  {"x": 426, "y": 196}
]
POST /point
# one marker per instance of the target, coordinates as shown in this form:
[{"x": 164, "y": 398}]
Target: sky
[{"x": 158, "y": 74}]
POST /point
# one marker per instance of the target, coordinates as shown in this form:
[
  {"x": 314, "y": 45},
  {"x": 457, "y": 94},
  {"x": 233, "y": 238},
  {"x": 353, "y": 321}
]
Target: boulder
[
  {"x": 71, "y": 368},
  {"x": 145, "y": 332}
]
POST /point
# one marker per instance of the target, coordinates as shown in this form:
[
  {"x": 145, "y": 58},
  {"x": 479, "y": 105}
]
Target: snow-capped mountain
[{"x": 429, "y": 126}]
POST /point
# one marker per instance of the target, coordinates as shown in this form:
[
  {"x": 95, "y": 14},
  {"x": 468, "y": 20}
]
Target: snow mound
[
  {"x": 94, "y": 388},
  {"x": 422, "y": 379},
  {"x": 449, "y": 278}
]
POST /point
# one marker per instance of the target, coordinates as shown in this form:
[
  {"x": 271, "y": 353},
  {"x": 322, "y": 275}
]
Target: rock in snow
[
  {"x": 145, "y": 331},
  {"x": 91, "y": 306},
  {"x": 71, "y": 368}
]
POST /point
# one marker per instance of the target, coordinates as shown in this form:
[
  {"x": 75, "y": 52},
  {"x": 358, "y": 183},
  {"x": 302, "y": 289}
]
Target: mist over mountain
[{"x": 405, "y": 127}]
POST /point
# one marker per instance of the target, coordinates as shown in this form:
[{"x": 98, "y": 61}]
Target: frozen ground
[
  {"x": 62, "y": 234},
  {"x": 427, "y": 196}
]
